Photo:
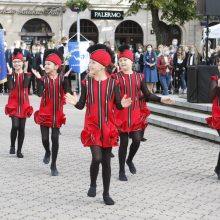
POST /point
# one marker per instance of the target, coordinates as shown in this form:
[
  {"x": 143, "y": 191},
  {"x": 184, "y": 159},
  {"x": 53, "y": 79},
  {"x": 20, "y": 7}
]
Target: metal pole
[
  {"x": 207, "y": 40},
  {"x": 61, "y": 13},
  {"x": 78, "y": 40},
  {"x": 78, "y": 27}
]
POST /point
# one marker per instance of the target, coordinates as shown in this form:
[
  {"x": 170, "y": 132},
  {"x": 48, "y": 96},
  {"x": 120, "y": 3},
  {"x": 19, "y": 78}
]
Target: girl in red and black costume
[
  {"x": 51, "y": 88},
  {"x": 18, "y": 106},
  {"x": 100, "y": 93},
  {"x": 214, "y": 121},
  {"x": 131, "y": 121}
]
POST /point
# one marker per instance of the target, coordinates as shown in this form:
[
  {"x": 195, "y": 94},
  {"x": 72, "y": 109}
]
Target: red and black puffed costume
[
  {"x": 52, "y": 91},
  {"x": 134, "y": 117},
  {"x": 18, "y": 101},
  {"x": 214, "y": 120},
  {"x": 145, "y": 112},
  {"x": 100, "y": 98}
]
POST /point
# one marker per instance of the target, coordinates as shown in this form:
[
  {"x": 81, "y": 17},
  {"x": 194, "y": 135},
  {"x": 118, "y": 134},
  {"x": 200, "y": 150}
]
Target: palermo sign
[{"x": 110, "y": 15}]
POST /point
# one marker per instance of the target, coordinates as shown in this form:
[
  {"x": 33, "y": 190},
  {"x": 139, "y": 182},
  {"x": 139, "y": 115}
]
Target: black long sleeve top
[{"x": 82, "y": 100}]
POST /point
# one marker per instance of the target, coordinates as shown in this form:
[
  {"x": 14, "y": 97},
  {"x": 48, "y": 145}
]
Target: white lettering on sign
[{"x": 108, "y": 14}]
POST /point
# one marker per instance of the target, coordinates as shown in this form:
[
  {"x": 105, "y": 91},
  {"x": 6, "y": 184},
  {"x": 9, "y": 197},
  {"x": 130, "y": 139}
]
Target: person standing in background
[
  {"x": 179, "y": 62},
  {"x": 137, "y": 56},
  {"x": 150, "y": 70},
  {"x": 165, "y": 67}
]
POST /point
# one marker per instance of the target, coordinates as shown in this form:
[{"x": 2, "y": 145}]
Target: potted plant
[{"x": 77, "y": 5}]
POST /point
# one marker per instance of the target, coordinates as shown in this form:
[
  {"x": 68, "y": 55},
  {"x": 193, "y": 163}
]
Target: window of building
[
  {"x": 36, "y": 25},
  {"x": 87, "y": 28},
  {"x": 36, "y": 30},
  {"x": 129, "y": 32},
  {"x": 173, "y": 32}
]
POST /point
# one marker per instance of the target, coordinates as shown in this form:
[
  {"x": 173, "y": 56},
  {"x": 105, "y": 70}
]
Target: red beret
[
  {"x": 55, "y": 59},
  {"x": 101, "y": 56},
  {"x": 127, "y": 54},
  {"x": 18, "y": 56}
]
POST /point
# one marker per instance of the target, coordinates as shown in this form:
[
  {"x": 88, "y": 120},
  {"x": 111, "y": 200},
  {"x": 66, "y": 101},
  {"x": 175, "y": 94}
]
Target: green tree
[{"x": 172, "y": 11}]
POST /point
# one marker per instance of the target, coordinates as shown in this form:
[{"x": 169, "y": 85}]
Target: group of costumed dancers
[{"x": 115, "y": 107}]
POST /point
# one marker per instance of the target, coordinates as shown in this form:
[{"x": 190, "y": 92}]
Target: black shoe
[
  {"x": 12, "y": 150},
  {"x": 19, "y": 154},
  {"x": 108, "y": 200},
  {"x": 54, "y": 172},
  {"x": 122, "y": 176},
  {"x": 131, "y": 167},
  {"x": 92, "y": 191},
  {"x": 217, "y": 172},
  {"x": 46, "y": 159},
  {"x": 143, "y": 139},
  {"x": 112, "y": 155}
]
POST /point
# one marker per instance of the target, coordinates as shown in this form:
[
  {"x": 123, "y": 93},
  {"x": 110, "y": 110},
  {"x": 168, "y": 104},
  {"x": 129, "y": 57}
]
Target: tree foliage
[{"x": 173, "y": 11}]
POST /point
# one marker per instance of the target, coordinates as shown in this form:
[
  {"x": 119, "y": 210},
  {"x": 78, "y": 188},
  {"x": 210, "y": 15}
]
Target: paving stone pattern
[{"x": 174, "y": 180}]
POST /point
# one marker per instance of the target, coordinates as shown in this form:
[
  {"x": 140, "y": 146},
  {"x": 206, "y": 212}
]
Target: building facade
[{"x": 38, "y": 20}]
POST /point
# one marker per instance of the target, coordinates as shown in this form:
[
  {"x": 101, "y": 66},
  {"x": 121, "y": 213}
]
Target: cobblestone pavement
[{"x": 174, "y": 180}]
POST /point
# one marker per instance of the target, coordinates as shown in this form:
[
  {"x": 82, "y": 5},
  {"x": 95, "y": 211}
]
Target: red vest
[
  {"x": 51, "y": 113},
  {"x": 134, "y": 117},
  {"x": 18, "y": 101},
  {"x": 99, "y": 126},
  {"x": 214, "y": 121}
]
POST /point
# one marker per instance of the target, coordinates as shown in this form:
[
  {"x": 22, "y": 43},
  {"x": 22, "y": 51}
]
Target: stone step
[
  {"x": 182, "y": 103},
  {"x": 178, "y": 113},
  {"x": 184, "y": 127}
]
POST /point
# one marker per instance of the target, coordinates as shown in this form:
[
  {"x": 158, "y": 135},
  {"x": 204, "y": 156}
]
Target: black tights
[
  {"x": 46, "y": 142},
  {"x": 122, "y": 152},
  {"x": 18, "y": 128},
  {"x": 103, "y": 156}
]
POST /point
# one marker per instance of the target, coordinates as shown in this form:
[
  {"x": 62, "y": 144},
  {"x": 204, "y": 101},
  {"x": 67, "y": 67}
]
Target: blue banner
[
  {"x": 79, "y": 57},
  {"x": 3, "y": 68}
]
